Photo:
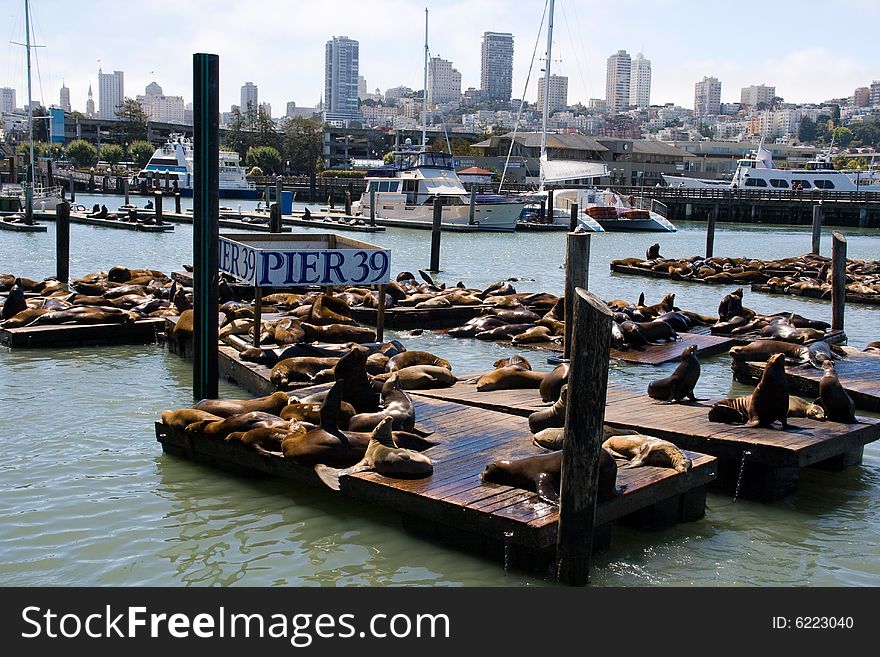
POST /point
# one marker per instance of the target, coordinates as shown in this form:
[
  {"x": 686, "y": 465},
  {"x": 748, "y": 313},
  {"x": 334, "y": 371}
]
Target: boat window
[
  {"x": 779, "y": 183},
  {"x": 804, "y": 184},
  {"x": 823, "y": 184},
  {"x": 756, "y": 182}
]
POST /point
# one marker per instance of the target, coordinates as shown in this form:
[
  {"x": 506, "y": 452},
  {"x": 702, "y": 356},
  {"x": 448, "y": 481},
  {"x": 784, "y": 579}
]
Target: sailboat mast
[
  {"x": 27, "y": 40},
  {"x": 425, "y": 89},
  {"x": 546, "y": 110}
]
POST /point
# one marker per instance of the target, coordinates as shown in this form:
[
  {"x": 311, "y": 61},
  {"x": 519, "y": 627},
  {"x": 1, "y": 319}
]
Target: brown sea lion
[
  {"x": 681, "y": 383},
  {"x": 396, "y": 404},
  {"x": 288, "y": 331},
  {"x": 736, "y": 410},
  {"x": 504, "y": 332},
  {"x": 533, "y": 335},
  {"x": 769, "y": 401},
  {"x": 421, "y": 377},
  {"x": 872, "y": 346},
  {"x": 509, "y": 378},
  {"x": 515, "y": 316},
  {"x": 657, "y": 330},
  {"x": 377, "y": 363},
  {"x": 15, "y": 301},
  {"x": 838, "y": 405},
  {"x": 410, "y": 358},
  {"x": 242, "y": 422},
  {"x": 23, "y": 318},
  {"x": 782, "y": 330},
  {"x": 310, "y": 413},
  {"x": 550, "y": 417},
  {"x": 299, "y": 369},
  {"x": 382, "y": 456},
  {"x": 653, "y": 252},
  {"x": 337, "y": 333},
  {"x": 329, "y": 310},
  {"x": 357, "y": 389},
  {"x": 648, "y": 450},
  {"x": 85, "y": 315},
  {"x": 541, "y": 474},
  {"x": 552, "y": 383},
  {"x": 261, "y": 355},
  {"x": 513, "y": 361},
  {"x": 633, "y": 335},
  {"x": 731, "y": 305},
  {"x": 762, "y": 350},
  {"x": 181, "y": 418},
  {"x": 225, "y": 407}
]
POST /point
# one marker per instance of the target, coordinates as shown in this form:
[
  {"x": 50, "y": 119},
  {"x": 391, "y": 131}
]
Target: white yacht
[
  {"x": 405, "y": 191},
  {"x": 174, "y": 161}
]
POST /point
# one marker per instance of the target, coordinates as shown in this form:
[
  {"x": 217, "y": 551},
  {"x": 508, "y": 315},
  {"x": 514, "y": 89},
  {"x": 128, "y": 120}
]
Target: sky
[{"x": 810, "y": 50}]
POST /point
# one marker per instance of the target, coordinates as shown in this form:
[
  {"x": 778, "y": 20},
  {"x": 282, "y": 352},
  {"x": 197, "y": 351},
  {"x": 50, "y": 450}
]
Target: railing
[{"x": 701, "y": 194}]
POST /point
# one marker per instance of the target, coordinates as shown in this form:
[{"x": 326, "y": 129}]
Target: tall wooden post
[
  {"x": 435, "y": 234},
  {"x": 542, "y": 212},
  {"x": 206, "y": 218},
  {"x": 177, "y": 208},
  {"x": 472, "y": 207},
  {"x": 380, "y": 316},
  {"x": 573, "y": 218},
  {"x": 587, "y": 383},
  {"x": 372, "y": 206},
  {"x": 710, "y": 232},
  {"x": 312, "y": 187},
  {"x": 279, "y": 188},
  {"x": 62, "y": 243},
  {"x": 157, "y": 207},
  {"x": 347, "y": 203},
  {"x": 577, "y": 274},
  {"x": 838, "y": 279},
  {"x": 125, "y": 189},
  {"x": 275, "y": 217},
  {"x": 549, "y": 217},
  {"x": 817, "y": 227}
]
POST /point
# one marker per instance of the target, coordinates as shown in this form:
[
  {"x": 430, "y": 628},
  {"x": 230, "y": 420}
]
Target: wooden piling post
[
  {"x": 573, "y": 218},
  {"x": 125, "y": 189},
  {"x": 206, "y": 222},
  {"x": 275, "y": 217},
  {"x": 279, "y": 188},
  {"x": 62, "y": 243},
  {"x": 710, "y": 232},
  {"x": 312, "y": 187},
  {"x": 838, "y": 279},
  {"x": 380, "y": 316},
  {"x": 347, "y": 203},
  {"x": 372, "y": 206},
  {"x": 157, "y": 207},
  {"x": 817, "y": 227},
  {"x": 177, "y": 208},
  {"x": 472, "y": 208},
  {"x": 549, "y": 216},
  {"x": 542, "y": 213},
  {"x": 435, "y": 235},
  {"x": 577, "y": 274},
  {"x": 587, "y": 383}
]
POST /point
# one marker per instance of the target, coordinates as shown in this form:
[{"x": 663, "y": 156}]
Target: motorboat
[
  {"x": 616, "y": 212},
  {"x": 171, "y": 165}
]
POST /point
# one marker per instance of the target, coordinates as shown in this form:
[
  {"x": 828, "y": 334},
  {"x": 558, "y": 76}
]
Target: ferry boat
[
  {"x": 405, "y": 191},
  {"x": 174, "y": 160}
]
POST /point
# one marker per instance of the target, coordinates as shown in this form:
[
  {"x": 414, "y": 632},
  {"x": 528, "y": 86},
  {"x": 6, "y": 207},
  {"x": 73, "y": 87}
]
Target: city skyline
[{"x": 800, "y": 73}]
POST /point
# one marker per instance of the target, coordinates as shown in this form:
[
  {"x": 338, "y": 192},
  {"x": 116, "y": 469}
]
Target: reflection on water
[{"x": 88, "y": 497}]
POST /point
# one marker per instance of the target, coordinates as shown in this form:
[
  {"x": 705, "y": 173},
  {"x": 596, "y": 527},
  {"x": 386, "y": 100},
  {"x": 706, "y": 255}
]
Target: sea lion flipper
[
  {"x": 545, "y": 488},
  {"x": 330, "y": 476}
]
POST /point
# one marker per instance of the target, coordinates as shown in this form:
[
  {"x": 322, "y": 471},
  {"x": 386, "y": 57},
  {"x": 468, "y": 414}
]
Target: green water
[{"x": 88, "y": 497}]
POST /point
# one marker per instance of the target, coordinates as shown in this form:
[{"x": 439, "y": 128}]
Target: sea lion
[
  {"x": 298, "y": 369},
  {"x": 678, "y": 321},
  {"x": 421, "y": 377},
  {"x": 23, "y": 318},
  {"x": 648, "y": 450},
  {"x": 225, "y": 407},
  {"x": 377, "y": 363},
  {"x": 15, "y": 301},
  {"x": 633, "y": 335},
  {"x": 550, "y": 417},
  {"x": 838, "y": 405},
  {"x": 533, "y": 335},
  {"x": 731, "y": 305},
  {"x": 681, "y": 382},
  {"x": 736, "y": 410},
  {"x": 181, "y": 418},
  {"x": 769, "y": 401},
  {"x": 872, "y": 346},
  {"x": 782, "y": 330},
  {"x": 288, "y": 331},
  {"x": 85, "y": 315},
  {"x": 550, "y": 438},
  {"x": 552, "y": 383},
  {"x": 357, "y": 389},
  {"x": 261, "y": 355},
  {"x": 381, "y": 456},
  {"x": 657, "y": 330},
  {"x": 337, "y": 333},
  {"x": 503, "y": 332},
  {"x": 396, "y": 404},
  {"x": 541, "y": 474},
  {"x": 653, "y": 252},
  {"x": 410, "y": 358},
  {"x": 267, "y": 440},
  {"x": 242, "y": 422},
  {"x": 329, "y": 310},
  {"x": 762, "y": 350},
  {"x": 513, "y": 361},
  {"x": 514, "y": 316},
  {"x": 509, "y": 378}
]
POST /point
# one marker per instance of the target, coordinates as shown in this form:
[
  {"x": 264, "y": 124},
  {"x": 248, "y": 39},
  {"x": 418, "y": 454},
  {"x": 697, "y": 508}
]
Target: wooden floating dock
[
  {"x": 80, "y": 218},
  {"x": 859, "y": 373},
  {"x": 455, "y": 506},
  {"x": 408, "y": 317},
  {"x": 773, "y": 457},
  {"x": 320, "y": 221},
  {"x": 811, "y": 293},
  {"x": 143, "y": 331},
  {"x": 22, "y": 228}
]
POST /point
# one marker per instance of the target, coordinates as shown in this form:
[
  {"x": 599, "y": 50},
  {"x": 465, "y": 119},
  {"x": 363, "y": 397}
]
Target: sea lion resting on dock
[
  {"x": 410, "y": 358},
  {"x": 181, "y": 418},
  {"x": 86, "y": 315},
  {"x": 736, "y": 410},
  {"x": 542, "y": 473},
  {"x": 226, "y": 407},
  {"x": 421, "y": 377},
  {"x": 680, "y": 384},
  {"x": 299, "y": 369},
  {"x": 763, "y": 350},
  {"x": 396, "y": 404},
  {"x": 769, "y": 401},
  {"x": 648, "y": 450},
  {"x": 509, "y": 378},
  {"x": 242, "y": 422}
]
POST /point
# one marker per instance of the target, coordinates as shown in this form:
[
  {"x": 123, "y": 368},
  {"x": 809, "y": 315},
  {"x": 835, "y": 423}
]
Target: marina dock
[
  {"x": 859, "y": 373},
  {"x": 143, "y": 331},
  {"x": 22, "y": 228}
]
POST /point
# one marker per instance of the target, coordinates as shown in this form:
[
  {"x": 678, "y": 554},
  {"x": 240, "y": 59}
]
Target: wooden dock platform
[
  {"x": 22, "y": 228},
  {"x": 773, "y": 457},
  {"x": 119, "y": 224},
  {"x": 859, "y": 373},
  {"x": 811, "y": 293},
  {"x": 79, "y": 335},
  {"x": 454, "y": 505},
  {"x": 406, "y": 317}
]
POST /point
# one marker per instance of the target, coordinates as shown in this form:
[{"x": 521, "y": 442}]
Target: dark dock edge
[{"x": 143, "y": 331}]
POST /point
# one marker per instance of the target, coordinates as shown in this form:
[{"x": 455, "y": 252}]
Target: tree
[
  {"x": 301, "y": 144},
  {"x": 842, "y": 136},
  {"x": 238, "y": 137},
  {"x": 140, "y": 152},
  {"x": 266, "y": 134},
  {"x": 706, "y": 130},
  {"x": 266, "y": 158},
  {"x": 835, "y": 114},
  {"x": 82, "y": 153},
  {"x": 867, "y": 133},
  {"x": 41, "y": 124},
  {"x": 807, "y": 130},
  {"x": 112, "y": 153},
  {"x": 132, "y": 124}
]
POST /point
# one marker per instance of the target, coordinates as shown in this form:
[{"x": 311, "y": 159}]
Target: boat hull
[
  {"x": 488, "y": 217},
  {"x": 633, "y": 225}
]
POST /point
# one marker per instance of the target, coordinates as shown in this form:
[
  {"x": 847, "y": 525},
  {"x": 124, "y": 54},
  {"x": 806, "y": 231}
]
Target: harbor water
[{"x": 89, "y": 498}]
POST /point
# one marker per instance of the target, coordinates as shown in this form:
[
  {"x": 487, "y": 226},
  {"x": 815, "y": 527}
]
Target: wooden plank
[
  {"x": 404, "y": 317},
  {"x": 657, "y": 354},
  {"x": 142, "y": 331}
]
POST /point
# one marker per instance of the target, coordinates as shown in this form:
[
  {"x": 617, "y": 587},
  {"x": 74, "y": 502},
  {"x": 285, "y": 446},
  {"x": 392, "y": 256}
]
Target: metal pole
[
  {"x": 29, "y": 195},
  {"x": 206, "y": 216},
  {"x": 435, "y": 234}
]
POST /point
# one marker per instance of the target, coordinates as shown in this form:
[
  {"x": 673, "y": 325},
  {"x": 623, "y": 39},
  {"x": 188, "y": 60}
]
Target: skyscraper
[
  {"x": 7, "y": 99},
  {"x": 444, "y": 82},
  {"x": 341, "y": 65},
  {"x": 64, "y": 98},
  {"x": 640, "y": 82},
  {"x": 249, "y": 98},
  {"x": 617, "y": 81},
  {"x": 496, "y": 76},
  {"x": 90, "y": 105},
  {"x": 757, "y": 93},
  {"x": 111, "y": 93},
  {"x": 558, "y": 96},
  {"x": 707, "y": 97}
]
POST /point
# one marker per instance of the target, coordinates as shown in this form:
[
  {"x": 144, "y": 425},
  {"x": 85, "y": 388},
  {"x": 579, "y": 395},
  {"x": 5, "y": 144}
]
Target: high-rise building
[
  {"x": 159, "y": 107},
  {"x": 7, "y": 100},
  {"x": 558, "y": 95},
  {"x": 341, "y": 65},
  {"x": 111, "y": 93},
  {"x": 875, "y": 93},
  {"x": 267, "y": 109},
  {"x": 249, "y": 102},
  {"x": 90, "y": 105},
  {"x": 757, "y": 93},
  {"x": 444, "y": 82},
  {"x": 396, "y": 93},
  {"x": 64, "y": 98},
  {"x": 707, "y": 97},
  {"x": 153, "y": 89},
  {"x": 362, "y": 87},
  {"x": 617, "y": 81},
  {"x": 496, "y": 73},
  {"x": 862, "y": 97},
  {"x": 640, "y": 82}
]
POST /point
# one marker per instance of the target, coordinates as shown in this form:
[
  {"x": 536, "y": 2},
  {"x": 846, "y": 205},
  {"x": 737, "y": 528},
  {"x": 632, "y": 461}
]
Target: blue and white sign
[{"x": 298, "y": 262}]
